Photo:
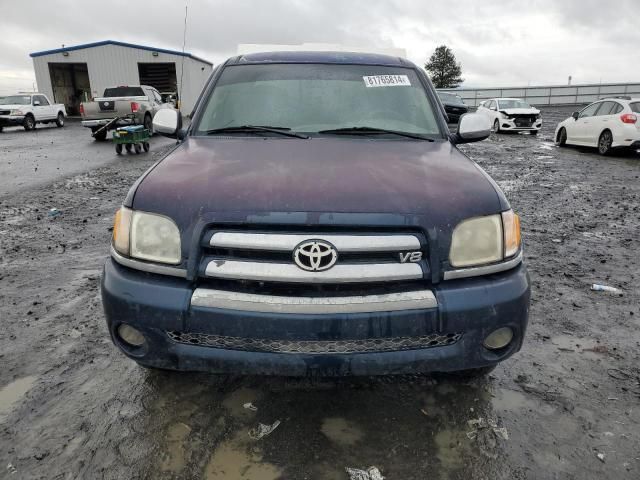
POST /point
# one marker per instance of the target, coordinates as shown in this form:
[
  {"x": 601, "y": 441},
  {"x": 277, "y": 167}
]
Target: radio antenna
[{"x": 184, "y": 42}]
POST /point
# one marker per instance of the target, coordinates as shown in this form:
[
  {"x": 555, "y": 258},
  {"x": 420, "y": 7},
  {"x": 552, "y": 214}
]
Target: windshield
[
  {"x": 123, "y": 92},
  {"x": 450, "y": 98},
  {"x": 16, "y": 100},
  {"x": 312, "y": 97},
  {"x": 513, "y": 104}
]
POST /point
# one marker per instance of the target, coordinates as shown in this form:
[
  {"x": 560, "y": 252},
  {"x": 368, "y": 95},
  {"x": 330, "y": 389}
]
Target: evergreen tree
[{"x": 443, "y": 69}]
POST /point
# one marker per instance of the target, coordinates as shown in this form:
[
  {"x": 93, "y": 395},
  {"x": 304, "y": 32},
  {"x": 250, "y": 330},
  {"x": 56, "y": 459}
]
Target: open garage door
[
  {"x": 161, "y": 76},
  {"x": 70, "y": 82}
]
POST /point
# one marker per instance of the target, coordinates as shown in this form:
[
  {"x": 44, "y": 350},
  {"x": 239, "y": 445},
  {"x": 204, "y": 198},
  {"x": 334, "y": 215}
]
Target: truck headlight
[
  {"x": 146, "y": 236},
  {"x": 16, "y": 113},
  {"x": 483, "y": 240}
]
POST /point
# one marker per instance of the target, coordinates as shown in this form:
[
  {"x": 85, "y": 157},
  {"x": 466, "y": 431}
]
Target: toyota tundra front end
[{"x": 317, "y": 218}]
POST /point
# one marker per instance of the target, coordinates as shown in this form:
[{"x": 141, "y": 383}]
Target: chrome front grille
[
  {"x": 315, "y": 347},
  {"x": 362, "y": 258},
  {"x": 287, "y": 242}
]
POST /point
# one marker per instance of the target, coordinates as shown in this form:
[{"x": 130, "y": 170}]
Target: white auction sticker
[{"x": 387, "y": 81}]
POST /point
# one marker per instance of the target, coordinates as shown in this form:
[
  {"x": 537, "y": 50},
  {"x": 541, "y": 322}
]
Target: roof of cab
[{"x": 347, "y": 58}]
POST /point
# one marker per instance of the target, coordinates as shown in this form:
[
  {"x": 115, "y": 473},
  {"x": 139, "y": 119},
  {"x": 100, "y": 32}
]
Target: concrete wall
[
  {"x": 550, "y": 95},
  {"x": 112, "y": 65}
]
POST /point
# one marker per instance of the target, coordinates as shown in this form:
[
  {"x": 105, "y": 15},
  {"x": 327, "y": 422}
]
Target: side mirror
[
  {"x": 36, "y": 103},
  {"x": 473, "y": 127},
  {"x": 575, "y": 115},
  {"x": 168, "y": 122}
]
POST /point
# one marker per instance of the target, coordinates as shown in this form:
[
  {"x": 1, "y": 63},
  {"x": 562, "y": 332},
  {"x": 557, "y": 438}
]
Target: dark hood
[{"x": 234, "y": 179}]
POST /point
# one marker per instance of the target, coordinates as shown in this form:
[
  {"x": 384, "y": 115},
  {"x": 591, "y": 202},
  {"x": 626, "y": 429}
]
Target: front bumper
[
  {"x": 509, "y": 124},
  {"x": 467, "y": 311},
  {"x": 11, "y": 120}
]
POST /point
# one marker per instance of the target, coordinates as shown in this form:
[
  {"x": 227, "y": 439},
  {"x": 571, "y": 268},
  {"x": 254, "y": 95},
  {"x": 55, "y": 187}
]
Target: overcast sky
[{"x": 498, "y": 42}]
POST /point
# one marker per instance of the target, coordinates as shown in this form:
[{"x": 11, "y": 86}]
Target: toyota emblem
[{"x": 315, "y": 255}]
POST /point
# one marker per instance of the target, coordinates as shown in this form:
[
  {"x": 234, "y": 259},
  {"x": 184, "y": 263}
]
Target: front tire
[
  {"x": 562, "y": 137},
  {"x": 496, "y": 126},
  {"x": 60, "y": 120},
  {"x": 1, "y": 129},
  {"x": 604, "y": 143},
  {"x": 119, "y": 149},
  {"x": 29, "y": 123},
  {"x": 533, "y": 132}
]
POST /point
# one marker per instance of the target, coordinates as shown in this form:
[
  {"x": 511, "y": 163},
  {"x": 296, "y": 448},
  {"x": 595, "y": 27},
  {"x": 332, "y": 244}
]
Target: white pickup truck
[{"x": 29, "y": 109}]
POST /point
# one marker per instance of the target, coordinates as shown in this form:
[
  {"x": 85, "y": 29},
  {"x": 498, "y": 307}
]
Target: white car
[
  {"x": 606, "y": 124},
  {"x": 28, "y": 109},
  {"x": 511, "y": 114}
]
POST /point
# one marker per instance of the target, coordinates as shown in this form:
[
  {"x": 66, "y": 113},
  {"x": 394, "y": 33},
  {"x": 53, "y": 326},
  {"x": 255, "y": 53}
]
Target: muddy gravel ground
[
  {"x": 565, "y": 407},
  {"x": 29, "y": 159}
]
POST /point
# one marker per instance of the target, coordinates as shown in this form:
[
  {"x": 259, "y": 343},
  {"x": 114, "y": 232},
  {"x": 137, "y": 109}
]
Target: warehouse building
[{"x": 71, "y": 75}]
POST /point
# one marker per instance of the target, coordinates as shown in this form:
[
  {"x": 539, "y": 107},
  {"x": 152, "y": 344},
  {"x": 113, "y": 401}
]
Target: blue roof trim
[{"x": 120, "y": 44}]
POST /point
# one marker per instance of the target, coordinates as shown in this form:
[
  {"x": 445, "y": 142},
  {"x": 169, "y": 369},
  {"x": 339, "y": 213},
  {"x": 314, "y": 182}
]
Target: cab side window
[
  {"x": 40, "y": 98},
  {"x": 606, "y": 109},
  {"x": 590, "y": 111}
]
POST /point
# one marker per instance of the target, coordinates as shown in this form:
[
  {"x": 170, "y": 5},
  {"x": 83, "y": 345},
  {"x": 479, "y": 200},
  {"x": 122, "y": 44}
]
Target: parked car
[
  {"x": 29, "y": 109},
  {"x": 120, "y": 106},
  {"x": 607, "y": 124},
  {"x": 453, "y": 105},
  {"x": 316, "y": 218},
  {"x": 511, "y": 114}
]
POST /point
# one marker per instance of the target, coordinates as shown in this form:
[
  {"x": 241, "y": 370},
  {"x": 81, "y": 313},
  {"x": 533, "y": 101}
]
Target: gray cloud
[{"x": 499, "y": 42}]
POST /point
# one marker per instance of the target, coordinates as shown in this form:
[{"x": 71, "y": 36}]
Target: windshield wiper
[
  {"x": 373, "y": 131},
  {"x": 255, "y": 129}
]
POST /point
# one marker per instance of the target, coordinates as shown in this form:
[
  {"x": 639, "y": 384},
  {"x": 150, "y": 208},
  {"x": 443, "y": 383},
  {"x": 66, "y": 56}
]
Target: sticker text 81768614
[{"x": 387, "y": 81}]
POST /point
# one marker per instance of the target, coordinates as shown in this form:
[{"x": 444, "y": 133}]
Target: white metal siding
[{"x": 112, "y": 65}]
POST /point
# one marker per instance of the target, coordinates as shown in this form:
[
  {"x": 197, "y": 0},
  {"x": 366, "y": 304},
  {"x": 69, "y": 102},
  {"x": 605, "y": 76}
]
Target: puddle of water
[
  {"x": 453, "y": 447},
  {"x": 233, "y": 460},
  {"x": 341, "y": 431},
  {"x": 173, "y": 460},
  {"x": 234, "y": 402},
  {"x": 546, "y": 146},
  {"x": 11, "y": 393}
]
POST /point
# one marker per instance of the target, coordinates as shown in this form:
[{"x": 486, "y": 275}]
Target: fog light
[
  {"x": 499, "y": 338},
  {"x": 130, "y": 335}
]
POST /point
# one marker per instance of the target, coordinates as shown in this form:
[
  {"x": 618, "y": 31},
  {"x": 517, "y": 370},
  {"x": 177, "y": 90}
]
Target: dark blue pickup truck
[{"x": 317, "y": 218}]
